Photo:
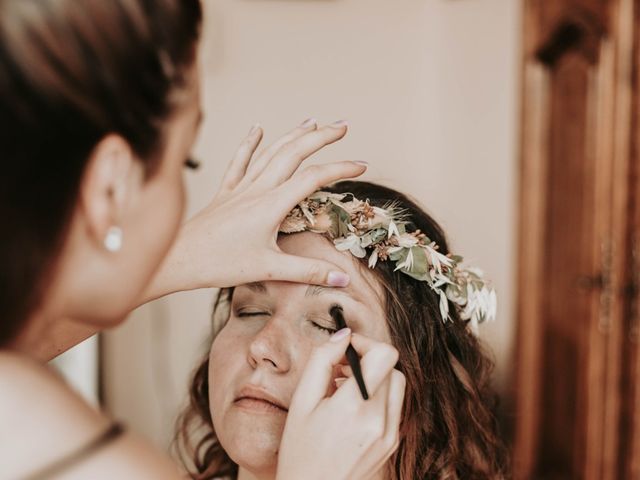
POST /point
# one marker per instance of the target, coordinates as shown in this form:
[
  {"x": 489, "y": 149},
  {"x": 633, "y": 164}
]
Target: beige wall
[{"x": 430, "y": 90}]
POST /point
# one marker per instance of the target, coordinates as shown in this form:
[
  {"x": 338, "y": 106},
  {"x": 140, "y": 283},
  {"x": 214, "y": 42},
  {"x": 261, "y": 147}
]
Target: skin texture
[{"x": 267, "y": 341}]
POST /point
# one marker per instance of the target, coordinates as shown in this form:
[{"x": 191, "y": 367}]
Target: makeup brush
[{"x": 352, "y": 356}]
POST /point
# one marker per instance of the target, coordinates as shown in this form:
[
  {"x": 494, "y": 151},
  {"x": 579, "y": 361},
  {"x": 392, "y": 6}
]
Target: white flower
[
  {"x": 444, "y": 306},
  {"x": 380, "y": 218},
  {"x": 437, "y": 259},
  {"x": 393, "y": 230},
  {"x": 488, "y": 304},
  {"x": 481, "y": 305},
  {"x": 407, "y": 241},
  {"x": 439, "y": 280},
  {"x": 406, "y": 263},
  {"x": 373, "y": 259},
  {"x": 351, "y": 243}
]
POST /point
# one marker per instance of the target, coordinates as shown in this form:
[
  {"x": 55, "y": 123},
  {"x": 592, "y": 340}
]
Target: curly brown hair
[{"x": 448, "y": 430}]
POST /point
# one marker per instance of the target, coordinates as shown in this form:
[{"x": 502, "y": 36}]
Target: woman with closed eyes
[{"x": 413, "y": 324}]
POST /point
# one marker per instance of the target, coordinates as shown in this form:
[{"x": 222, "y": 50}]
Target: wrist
[{"x": 173, "y": 275}]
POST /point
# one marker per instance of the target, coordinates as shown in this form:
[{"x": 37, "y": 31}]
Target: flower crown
[{"x": 357, "y": 226}]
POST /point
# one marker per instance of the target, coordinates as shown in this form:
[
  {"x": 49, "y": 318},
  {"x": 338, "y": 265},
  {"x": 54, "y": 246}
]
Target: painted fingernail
[
  {"x": 309, "y": 122},
  {"x": 339, "y": 124},
  {"x": 340, "y": 334},
  {"x": 254, "y": 129},
  {"x": 360, "y": 162},
  {"x": 338, "y": 279}
]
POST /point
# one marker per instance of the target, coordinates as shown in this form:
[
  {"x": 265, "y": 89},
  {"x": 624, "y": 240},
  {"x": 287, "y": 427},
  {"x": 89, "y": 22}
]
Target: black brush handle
[
  {"x": 354, "y": 361},
  {"x": 352, "y": 355}
]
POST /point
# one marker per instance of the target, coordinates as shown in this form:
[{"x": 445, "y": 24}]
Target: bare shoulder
[
  {"x": 31, "y": 393},
  {"x": 43, "y": 421}
]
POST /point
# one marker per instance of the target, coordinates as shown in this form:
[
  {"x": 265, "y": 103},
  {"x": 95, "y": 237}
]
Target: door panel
[{"x": 577, "y": 396}]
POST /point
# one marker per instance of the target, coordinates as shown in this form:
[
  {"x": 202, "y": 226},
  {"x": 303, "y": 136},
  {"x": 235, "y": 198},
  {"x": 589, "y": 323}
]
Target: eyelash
[
  {"x": 250, "y": 314},
  {"x": 328, "y": 330},
  {"x": 191, "y": 163}
]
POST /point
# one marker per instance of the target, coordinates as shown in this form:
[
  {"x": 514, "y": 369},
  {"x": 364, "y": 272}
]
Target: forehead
[{"x": 363, "y": 283}]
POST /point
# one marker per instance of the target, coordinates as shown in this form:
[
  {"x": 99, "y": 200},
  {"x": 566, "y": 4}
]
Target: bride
[{"x": 406, "y": 292}]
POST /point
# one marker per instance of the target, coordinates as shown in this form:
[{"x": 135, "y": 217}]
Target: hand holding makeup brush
[{"x": 343, "y": 436}]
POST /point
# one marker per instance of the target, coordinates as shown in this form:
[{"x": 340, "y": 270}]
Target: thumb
[
  {"x": 291, "y": 268},
  {"x": 313, "y": 385}
]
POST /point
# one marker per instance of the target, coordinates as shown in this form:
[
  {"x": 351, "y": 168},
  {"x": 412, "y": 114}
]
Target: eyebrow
[
  {"x": 313, "y": 290},
  {"x": 258, "y": 287}
]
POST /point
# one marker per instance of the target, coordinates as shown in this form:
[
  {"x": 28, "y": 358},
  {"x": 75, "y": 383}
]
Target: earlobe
[{"x": 103, "y": 193}]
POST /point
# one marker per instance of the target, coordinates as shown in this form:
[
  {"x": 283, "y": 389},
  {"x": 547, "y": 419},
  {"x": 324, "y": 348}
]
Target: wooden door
[
  {"x": 575, "y": 238},
  {"x": 629, "y": 457}
]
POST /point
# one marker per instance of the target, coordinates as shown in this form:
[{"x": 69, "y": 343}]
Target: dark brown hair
[
  {"x": 448, "y": 430},
  {"x": 72, "y": 72}
]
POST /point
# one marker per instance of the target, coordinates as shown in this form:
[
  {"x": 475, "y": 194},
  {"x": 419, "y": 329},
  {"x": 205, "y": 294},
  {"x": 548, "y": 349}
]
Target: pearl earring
[{"x": 113, "y": 239}]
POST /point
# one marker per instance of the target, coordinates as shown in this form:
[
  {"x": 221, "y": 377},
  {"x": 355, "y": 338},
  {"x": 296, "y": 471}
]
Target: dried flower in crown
[{"x": 357, "y": 226}]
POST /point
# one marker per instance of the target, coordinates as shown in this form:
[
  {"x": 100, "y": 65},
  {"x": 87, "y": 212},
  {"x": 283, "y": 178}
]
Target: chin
[
  {"x": 258, "y": 460},
  {"x": 253, "y": 447}
]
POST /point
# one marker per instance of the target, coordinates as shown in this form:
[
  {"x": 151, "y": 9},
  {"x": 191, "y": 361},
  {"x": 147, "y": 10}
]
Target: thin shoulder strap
[{"x": 114, "y": 431}]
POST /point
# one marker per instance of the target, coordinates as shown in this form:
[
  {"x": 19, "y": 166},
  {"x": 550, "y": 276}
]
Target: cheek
[
  {"x": 301, "y": 351},
  {"x": 167, "y": 204},
  {"x": 226, "y": 360},
  {"x": 174, "y": 200},
  {"x": 220, "y": 358}
]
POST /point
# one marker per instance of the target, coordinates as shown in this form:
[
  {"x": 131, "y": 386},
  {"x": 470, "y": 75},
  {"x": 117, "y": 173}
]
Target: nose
[{"x": 269, "y": 347}]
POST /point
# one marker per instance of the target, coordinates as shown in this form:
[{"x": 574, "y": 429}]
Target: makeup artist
[{"x": 99, "y": 108}]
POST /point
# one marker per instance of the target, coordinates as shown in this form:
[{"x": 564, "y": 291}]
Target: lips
[{"x": 252, "y": 393}]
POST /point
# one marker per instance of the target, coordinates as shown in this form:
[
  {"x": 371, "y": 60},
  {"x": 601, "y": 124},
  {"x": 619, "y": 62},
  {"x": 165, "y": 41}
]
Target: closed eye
[
  {"x": 328, "y": 330},
  {"x": 252, "y": 314}
]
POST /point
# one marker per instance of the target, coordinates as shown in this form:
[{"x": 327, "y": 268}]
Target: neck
[
  {"x": 45, "y": 336},
  {"x": 32, "y": 339}
]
